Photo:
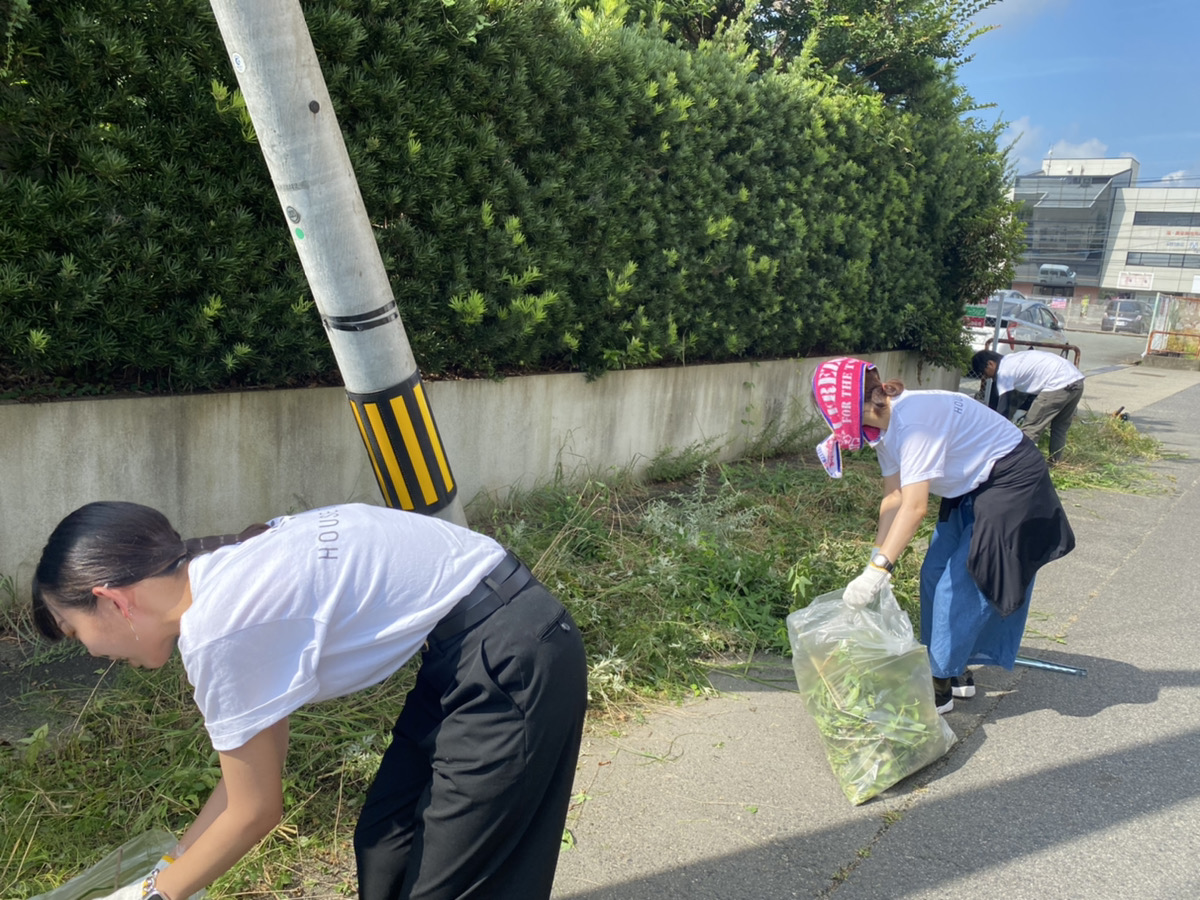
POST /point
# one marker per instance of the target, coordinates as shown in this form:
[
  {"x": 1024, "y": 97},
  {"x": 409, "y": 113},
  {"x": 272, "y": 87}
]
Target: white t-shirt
[
  {"x": 324, "y": 604},
  {"x": 1034, "y": 371},
  {"x": 945, "y": 438}
]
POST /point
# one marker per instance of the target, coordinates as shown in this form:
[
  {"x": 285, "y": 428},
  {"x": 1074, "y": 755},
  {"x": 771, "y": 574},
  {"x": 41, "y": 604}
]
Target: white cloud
[
  {"x": 1177, "y": 178},
  {"x": 1027, "y": 145},
  {"x": 1090, "y": 149}
]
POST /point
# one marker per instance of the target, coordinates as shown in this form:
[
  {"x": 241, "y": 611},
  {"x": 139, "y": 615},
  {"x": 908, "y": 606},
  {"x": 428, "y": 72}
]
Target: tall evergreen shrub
[
  {"x": 549, "y": 192},
  {"x": 138, "y": 237}
]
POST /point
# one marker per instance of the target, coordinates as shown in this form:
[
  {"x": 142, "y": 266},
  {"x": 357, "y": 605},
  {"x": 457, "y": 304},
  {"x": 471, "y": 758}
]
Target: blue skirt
[{"x": 958, "y": 624}]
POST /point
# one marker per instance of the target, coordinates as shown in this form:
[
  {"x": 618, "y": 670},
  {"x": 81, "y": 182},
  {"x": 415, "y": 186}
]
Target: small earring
[{"x": 134, "y": 630}]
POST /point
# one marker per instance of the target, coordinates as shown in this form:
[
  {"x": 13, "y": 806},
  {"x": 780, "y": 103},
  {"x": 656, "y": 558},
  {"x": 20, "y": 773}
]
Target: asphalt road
[{"x": 1103, "y": 352}]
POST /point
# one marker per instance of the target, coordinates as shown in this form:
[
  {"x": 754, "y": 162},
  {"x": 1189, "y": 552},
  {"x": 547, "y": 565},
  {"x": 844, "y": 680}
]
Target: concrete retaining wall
[
  {"x": 217, "y": 462},
  {"x": 1159, "y": 361}
]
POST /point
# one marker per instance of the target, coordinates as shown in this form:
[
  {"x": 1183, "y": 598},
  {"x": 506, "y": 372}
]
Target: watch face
[{"x": 882, "y": 561}]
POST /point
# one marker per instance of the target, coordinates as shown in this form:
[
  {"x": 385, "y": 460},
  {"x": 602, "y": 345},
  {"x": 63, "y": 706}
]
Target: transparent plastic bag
[
  {"x": 128, "y": 863},
  {"x": 867, "y": 684}
]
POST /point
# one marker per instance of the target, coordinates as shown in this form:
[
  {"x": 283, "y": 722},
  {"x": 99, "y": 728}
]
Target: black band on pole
[
  {"x": 406, "y": 452},
  {"x": 362, "y": 321}
]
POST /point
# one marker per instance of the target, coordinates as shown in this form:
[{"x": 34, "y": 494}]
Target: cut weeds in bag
[{"x": 867, "y": 684}]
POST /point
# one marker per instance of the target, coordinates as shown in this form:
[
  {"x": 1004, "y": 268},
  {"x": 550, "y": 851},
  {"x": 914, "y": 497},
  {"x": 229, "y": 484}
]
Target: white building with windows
[
  {"x": 1155, "y": 245},
  {"x": 1119, "y": 239}
]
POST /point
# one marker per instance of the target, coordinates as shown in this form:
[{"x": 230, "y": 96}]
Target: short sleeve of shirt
[
  {"x": 889, "y": 464},
  {"x": 923, "y": 455},
  {"x": 255, "y": 677},
  {"x": 1005, "y": 377},
  {"x": 914, "y": 445}
]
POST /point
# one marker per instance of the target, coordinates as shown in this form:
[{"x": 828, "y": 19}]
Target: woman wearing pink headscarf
[{"x": 1000, "y": 518}]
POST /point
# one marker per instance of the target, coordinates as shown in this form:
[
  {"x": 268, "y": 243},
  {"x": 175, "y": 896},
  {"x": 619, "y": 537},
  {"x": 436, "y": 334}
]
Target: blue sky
[{"x": 1091, "y": 78}]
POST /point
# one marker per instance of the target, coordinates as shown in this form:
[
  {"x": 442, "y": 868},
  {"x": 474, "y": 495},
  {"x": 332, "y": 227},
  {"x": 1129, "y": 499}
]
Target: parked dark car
[{"x": 1125, "y": 315}]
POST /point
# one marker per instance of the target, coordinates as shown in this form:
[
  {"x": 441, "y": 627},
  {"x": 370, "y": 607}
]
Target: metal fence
[{"x": 1174, "y": 327}]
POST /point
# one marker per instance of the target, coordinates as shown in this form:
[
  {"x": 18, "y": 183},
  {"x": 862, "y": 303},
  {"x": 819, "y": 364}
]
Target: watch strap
[{"x": 150, "y": 889}]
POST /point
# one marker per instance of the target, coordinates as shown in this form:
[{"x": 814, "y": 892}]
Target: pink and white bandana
[{"x": 838, "y": 387}]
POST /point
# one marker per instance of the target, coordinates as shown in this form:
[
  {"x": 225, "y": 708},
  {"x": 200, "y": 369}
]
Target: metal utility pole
[{"x": 277, "y": 70}]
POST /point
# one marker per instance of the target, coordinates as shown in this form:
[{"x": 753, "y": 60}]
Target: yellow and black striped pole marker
[{"x": 406, "y": 451}]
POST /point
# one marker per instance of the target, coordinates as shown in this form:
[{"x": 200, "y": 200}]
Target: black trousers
[{"x": 471, "y": 797}]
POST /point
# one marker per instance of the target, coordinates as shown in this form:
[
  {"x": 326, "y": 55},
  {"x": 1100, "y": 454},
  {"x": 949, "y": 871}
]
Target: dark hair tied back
[
  {"x": 111, "y": 543},
  {"x": 198, "y": 546},
  {"x": 876, "y": 391}
]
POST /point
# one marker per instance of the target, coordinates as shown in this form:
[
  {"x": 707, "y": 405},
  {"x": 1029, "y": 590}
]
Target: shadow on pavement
[
  {"x": 1163, "y": 429},
  {"x": 1108, "y": 683},
  {"x": 1072, "y": 801}
]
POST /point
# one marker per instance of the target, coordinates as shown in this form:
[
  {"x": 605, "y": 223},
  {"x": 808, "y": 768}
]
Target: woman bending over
[
  {"x": 1000, "y": 518},
  {"x": 471, "y": 795}
]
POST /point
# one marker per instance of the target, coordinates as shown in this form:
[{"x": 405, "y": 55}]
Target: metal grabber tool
[{"x": 1030, "y": 663}]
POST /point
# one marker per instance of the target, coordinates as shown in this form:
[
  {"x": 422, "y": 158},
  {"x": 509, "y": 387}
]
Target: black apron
[{"x": 1020, "y": 525}]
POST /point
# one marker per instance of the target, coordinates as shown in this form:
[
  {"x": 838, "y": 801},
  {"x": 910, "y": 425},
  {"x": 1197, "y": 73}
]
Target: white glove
[{"x": 866, "y": 587}]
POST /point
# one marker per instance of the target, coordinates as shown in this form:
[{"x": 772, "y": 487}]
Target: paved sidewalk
[
  {"x": 1060, "y": 787},
  {"x": 1135, "y": 388}
]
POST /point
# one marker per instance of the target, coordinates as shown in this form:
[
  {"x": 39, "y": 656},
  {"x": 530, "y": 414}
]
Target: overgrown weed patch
[{"x": 662, "y": 577}]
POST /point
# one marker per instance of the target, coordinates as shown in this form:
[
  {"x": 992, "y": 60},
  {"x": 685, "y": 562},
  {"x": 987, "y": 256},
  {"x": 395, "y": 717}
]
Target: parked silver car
[
  {"x": 1022, "y": 321},
  {"x": 1008, "y": 294}
]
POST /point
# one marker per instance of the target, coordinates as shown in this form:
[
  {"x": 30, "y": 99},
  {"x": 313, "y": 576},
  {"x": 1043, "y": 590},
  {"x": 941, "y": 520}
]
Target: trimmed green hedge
[{"x": 549, "y": 193}]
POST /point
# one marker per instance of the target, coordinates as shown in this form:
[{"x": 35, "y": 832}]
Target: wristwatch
[
  {"x": 882, "y": 562},
  {"x": 151, "y": 889}
]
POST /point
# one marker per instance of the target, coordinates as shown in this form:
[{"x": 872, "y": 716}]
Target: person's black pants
[{"x": 471, "y": 797}]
